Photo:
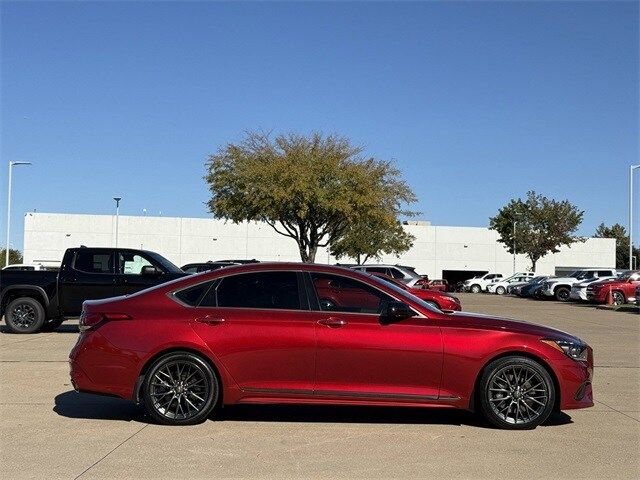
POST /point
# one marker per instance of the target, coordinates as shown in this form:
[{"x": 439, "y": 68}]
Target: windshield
[
  {"x": 166, "y": 264},
  {"x": 403, "y": 293}
]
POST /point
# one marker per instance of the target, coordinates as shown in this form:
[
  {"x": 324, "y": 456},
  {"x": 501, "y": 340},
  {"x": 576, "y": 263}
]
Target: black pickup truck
[{"x": 40, "y": 300}]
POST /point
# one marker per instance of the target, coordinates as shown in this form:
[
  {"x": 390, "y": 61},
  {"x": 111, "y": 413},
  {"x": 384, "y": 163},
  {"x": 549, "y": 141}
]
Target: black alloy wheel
[
  {"x": 180, "y": 388},
  {"x": 24, "y": 315},
  {"x": 516, "y": 393}
]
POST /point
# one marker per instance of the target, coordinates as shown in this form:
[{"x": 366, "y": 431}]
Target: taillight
[{"x": 91, "y": 321}]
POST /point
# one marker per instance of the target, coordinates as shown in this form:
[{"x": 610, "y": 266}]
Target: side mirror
[
  {"x": 398, "y": 311},
  {"x": 150, "y": 271}
]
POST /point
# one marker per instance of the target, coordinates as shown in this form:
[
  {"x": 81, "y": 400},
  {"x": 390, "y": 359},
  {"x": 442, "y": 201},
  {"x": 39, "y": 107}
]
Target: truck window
[
  {"x": 93, "y": 262},
  {"x": 132, "y": 263}
]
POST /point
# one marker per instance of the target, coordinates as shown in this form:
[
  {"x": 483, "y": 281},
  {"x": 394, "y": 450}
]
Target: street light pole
[
  {"x": 6, "y": 252},
  {"x": 117, "y": 199},
  {"x": 631, "y": 169}
]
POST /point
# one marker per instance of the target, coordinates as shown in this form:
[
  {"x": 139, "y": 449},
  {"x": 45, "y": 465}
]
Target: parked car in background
[
  {"x": 35, "y": 300},
  {"x": 441, "y": 300},
  {"x": 30, "y": 267},
  {"x": 438, "y": 284},
  {"x": 579, "y": 290},
  {"x": 560, "y": 287},
  {"x": 529, "y": 289},
  {"x": 532, "y": 289},
  {"x": 480, "y": 283},
  {"x": 500, "y": 287},
  {"x": 622, "y": 290},
  {"x": 205, "y": 266},
  {"x": 403, "y": 273},
  {"x": 264, "y": 333}
]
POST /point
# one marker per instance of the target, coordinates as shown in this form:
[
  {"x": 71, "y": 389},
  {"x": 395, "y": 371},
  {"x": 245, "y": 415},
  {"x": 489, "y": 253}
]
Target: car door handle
[
  {"x": 210, "y": 320},
  {"x": 332, "y": 322}
]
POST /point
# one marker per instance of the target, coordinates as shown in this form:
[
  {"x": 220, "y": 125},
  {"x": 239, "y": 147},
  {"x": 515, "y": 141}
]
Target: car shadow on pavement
[
  {"x": 72, "y": 404},
  {"x": 368, "y": 415}
]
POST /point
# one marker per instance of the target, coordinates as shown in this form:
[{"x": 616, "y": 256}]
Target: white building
[{"x": 449, "y": 252}]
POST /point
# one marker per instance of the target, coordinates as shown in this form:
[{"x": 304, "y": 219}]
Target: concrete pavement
[{"x": 47, "y": 430}]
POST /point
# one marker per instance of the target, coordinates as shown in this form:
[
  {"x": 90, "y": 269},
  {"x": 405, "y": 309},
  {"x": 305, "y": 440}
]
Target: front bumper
[
  {"x": 575, "y": 383},
  {"x": 578, "y": 294}
]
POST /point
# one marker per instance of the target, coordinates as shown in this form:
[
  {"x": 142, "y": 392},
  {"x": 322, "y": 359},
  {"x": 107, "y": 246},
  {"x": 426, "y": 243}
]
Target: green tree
[
  {"x": 372, "y": 237},
  {"x": 618, "y": 232},
  {"x": 15, "y": 256},
  {"x": 309, "y": 188},
  {"x": 543, "y": 225}
]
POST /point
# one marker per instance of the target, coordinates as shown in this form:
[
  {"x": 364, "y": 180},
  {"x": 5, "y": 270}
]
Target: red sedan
[
  {"x": 266, "y": 333},
  {"x": 438, "y": 299}
]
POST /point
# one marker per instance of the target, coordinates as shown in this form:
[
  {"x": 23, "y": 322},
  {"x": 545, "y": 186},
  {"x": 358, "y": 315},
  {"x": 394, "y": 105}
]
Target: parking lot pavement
[{"x": 47, "y": 430}]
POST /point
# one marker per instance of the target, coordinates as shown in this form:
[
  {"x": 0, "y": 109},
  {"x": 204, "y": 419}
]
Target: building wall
[{"x": 185, "y": 240}]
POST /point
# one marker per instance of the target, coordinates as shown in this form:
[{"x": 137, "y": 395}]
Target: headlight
[{"x": 576, "y": 350}]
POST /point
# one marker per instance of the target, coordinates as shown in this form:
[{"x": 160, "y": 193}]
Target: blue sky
[{"x": 477, "y": 102}]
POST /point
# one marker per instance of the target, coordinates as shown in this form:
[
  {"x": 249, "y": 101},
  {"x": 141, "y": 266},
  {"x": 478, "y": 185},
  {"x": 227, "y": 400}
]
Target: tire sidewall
[
  {"x": 485, "y": 380},
  {"x": 214, "y": 388},
  {"x": 559, "y": 297},
  {"x": 40, "y": 315},
  {"x": 618, "y": 298}
]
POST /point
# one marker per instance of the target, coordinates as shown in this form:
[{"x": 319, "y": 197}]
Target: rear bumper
[{"x": 95, "y": 366}]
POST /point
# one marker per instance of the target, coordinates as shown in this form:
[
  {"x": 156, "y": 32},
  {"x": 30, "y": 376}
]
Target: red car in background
[
  {"x": 441, "y": 285},
  {"x": 261, "y": 333},
  {"x": 441, "y": 300},
  {"x": 622, "y": 289}
]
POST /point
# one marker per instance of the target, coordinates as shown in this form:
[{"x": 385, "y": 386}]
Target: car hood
[{"x": 489, "y": 322}]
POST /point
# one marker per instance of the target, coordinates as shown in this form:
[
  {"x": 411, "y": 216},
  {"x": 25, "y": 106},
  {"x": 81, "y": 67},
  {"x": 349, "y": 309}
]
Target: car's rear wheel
[
  {"x": 562, "y": 294},
  {"x": 24, "y": 315},
  {"x": 516, "y": 393},
  {"x": 180, "y": 388},
  {"x": 500, "y": 290},
  {"x": 618, "y": 298}
]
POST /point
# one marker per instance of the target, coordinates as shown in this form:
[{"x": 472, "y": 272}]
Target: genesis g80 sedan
[{"x": 290, "y": 333}]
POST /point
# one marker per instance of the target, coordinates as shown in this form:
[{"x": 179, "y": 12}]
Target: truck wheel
[
  {"x": 562, "y": 294},
  {"x": 51, "y": 324},
  {"x": 500, "y": 290},
  {"x": 24, "y": 315},
  {"x": 475, "y": 288}
]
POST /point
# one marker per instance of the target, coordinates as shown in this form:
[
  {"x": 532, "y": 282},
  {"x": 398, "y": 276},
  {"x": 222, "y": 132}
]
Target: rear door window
[
  {"x": 269, "y": 290},
  {"x": 93, "y": 262}
]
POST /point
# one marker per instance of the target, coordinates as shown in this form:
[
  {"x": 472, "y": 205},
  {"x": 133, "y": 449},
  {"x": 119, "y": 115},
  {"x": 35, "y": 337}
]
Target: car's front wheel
[
  {"x": 618, "y": 298},
  {"x": 475, "y": 289},
  {"x": 180, "y": 388},
  {"x": 500, "y": 290},
  {"x": 516, "y": 393},
  {"x": 562, "y": 294}
]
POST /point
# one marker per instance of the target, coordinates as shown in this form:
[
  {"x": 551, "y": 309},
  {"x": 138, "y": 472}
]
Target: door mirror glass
[
  {"x": 150, "y": 271},
  {"x": 398, "y": 311}
]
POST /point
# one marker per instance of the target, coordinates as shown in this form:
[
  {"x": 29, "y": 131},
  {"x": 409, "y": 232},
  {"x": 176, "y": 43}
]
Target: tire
[
  {"x": 170, "y": 376},
  {"x": 562, "y": 294},
  {"x": 24, "y": 315},
  {"x": 51, "y": 324},
  {"x": 618, "y": 297},
  {"x": 475, "y": 288},
  {"x": 500, "y": 290},
  {"x": 534, "y": 399}
]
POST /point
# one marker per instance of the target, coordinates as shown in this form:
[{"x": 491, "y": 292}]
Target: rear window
[{"x": 93, "y": 262}]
